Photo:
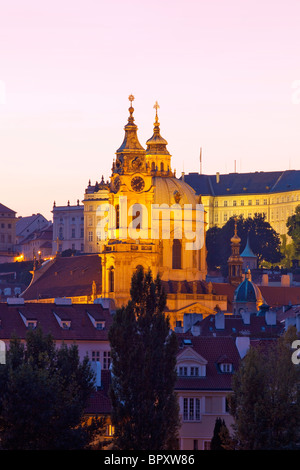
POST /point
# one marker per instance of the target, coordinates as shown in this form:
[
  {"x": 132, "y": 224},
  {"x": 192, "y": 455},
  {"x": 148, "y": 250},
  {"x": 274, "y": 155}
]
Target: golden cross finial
[
  {"x": 131, "y": 99},
  {"x": 156, "y": 106}
]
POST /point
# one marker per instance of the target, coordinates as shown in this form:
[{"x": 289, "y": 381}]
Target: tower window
[
  {"x": 111, "y": 280},
  {"x": 117, "y": 216},
  {"x": 161, "y": 166},
  {"x": 176, "y": 254}
]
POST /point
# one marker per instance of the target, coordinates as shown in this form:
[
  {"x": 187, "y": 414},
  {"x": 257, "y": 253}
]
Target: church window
[
  {"x": 117, "y": 216},
  {"x": 111, "y": 280},
  {"x": 176, "y": 254},
  {"x": 134, "y": 217},
  {"x": 161, "y": 166},
  {"x": 153, "y": 166}
]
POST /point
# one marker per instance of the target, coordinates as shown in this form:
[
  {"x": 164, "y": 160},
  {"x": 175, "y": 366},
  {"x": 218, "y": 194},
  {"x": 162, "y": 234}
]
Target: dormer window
[
  {"x": 191, "y": 371},
  {"x": 100, "y": 325},
  {"x": 66, "y": 325},
  {"x": 226, "y": 367},
  {"x": 190, "y": 363},
  {"x": 31, "y": 324}
]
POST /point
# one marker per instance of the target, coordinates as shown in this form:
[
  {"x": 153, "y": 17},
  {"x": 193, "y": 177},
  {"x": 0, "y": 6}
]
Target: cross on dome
[{"x": 156, "y": 106}]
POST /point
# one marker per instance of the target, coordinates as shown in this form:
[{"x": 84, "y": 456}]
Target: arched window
[
  {"x": 111, "y": 280},
  {"x": 162, "y": 166},
  {"x": 176, "y": 254},
  {"x": 153, "y": 166},
  {"x": 117, "y": 216}
]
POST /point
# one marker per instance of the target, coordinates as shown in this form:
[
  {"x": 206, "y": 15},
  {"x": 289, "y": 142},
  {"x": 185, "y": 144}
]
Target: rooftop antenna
[{"x": 200, "y": 160}]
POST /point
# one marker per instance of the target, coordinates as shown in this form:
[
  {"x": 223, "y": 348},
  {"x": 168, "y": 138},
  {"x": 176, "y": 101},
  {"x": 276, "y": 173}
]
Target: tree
[
  {"x": 43, "y": 394},
  {"x": 143, "y": 352},
  {"x": 220, "y": 435},
  {"x": 264, "y": 241},
  {"x": 265, "y": 402},
  {"x": 293, "y": 225}
]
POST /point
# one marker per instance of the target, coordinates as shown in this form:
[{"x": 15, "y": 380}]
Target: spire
[
  {"x": 156, "y": 144},
  {"x": 235, "y": 239},
  {"x": 130, "y": 142},
  {"x": 131, "y": 149},
  {"x": 235, "y": 261}
]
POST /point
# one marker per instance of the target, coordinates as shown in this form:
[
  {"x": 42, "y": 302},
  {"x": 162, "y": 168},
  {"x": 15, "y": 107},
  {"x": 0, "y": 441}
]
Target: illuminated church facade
[{"x": 145, "y": 216}]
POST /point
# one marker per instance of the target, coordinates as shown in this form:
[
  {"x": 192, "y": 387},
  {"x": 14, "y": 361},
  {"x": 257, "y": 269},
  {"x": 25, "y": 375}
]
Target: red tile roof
[
  {"x": 235, "y": 326},
  {"x": 65, "y": 277},
  {"x": 274, "y": 295},
  {"x": 82, "y": 328},
  {"x": 212, "y": 349}
]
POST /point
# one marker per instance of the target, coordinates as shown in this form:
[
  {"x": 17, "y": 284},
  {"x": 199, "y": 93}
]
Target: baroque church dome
[
  {"x": 248, "y": 291},
  {"x": 170, "y": 190}
]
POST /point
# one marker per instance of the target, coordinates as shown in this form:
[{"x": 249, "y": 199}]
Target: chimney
[
  {"x": 298, "y": 323},
  {"x": 242, "y": 343},
  {"x": 189, "y": 320},
  {"x": 285, "y": 280},
  {"x": 289, "y": 321},
  {"x": 265, "y": 280},
  {"x": 246, "y": 317},
  {"x": 270, "y": 317},
  {"x": 219, "y": 321},
  {"x": 218, "y": 177}
]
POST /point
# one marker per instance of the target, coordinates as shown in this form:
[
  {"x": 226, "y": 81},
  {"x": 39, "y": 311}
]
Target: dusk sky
[{"x": 226, "y": 75}]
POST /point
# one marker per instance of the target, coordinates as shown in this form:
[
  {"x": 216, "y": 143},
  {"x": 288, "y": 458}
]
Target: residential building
[
  {"x": 37, "y": 245},
  {"x": 25, "y": 226},
  {"x": 8, "y": 222},
  {"x": 86, "y": 325},
  {"x": 68, "y": 228}
]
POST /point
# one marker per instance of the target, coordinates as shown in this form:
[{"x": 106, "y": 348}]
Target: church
[{"x": 145, "y": 217}]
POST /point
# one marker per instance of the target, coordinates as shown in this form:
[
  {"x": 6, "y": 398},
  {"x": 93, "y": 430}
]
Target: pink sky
[{"x": 222, "y": 72}]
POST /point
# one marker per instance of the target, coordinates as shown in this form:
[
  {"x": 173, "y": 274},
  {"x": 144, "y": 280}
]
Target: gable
[{"x": 190, "y": 355}]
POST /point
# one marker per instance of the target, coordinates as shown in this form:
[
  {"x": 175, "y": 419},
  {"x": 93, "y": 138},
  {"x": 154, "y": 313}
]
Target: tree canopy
[
  {"x": 293, "y": 225},
  {"x": 264, "y": 241},
  {"x": 43, "y": 394},
  {"x": 265, "y": 402},
  {"x": 143, "y": 352}
]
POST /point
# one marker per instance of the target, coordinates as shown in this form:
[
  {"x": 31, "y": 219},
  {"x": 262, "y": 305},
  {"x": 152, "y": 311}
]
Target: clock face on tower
[{"x": 137, "y": 183}]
